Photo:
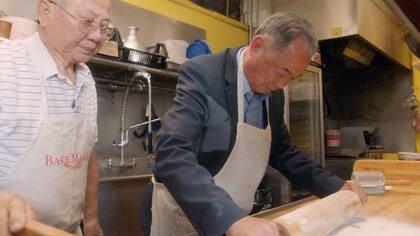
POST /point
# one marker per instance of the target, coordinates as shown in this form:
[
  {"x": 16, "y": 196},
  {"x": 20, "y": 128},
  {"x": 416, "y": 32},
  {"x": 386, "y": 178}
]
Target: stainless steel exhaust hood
[{"x": 371, "y": 21}]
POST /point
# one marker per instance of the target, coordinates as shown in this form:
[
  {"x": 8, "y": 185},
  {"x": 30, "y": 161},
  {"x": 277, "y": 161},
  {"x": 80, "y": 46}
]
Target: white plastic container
[
  {"x": 176, "y": 50},
  {"x": 373, "y": 182}
]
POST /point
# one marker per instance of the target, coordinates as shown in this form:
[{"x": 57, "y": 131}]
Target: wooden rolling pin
[
  {"x": 34, "y": 228},
  {"x": 320, "y": 217}
]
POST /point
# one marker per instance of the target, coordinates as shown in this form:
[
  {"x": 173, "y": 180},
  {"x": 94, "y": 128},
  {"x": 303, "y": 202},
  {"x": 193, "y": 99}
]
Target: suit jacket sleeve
[
  {"x": 208, "y": 207},
  {"x": 291, "y": 162}
]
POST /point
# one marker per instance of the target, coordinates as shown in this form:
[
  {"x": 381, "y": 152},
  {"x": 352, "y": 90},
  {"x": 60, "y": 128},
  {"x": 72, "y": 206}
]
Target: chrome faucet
[{"x": 124, "y": 131}]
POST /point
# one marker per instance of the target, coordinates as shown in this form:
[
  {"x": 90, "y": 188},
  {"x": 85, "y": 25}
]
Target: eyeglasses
[{"x": 87, "y": 25}]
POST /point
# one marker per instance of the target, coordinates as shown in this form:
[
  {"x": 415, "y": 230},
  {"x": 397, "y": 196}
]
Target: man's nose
[{"x": 96, "y": 35}]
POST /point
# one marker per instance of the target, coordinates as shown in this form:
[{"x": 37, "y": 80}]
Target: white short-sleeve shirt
[{"x": 23, "y": 65}]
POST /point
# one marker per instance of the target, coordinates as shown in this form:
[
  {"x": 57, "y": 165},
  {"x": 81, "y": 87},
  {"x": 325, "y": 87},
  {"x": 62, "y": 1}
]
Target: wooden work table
[
  {"x": 395, "y": 206},
  {"x": 400, "y": 204}
]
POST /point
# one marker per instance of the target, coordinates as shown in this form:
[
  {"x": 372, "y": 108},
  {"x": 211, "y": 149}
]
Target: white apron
[
  {"x": 247, "y": 163},
  {"x": 51, "y": 175}
]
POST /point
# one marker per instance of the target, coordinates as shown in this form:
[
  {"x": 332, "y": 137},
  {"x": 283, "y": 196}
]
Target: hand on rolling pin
[
  {"x": 14, "y": 213},
  {"x": 355, "y": 187},
  {"x": 252, "y": 226}
]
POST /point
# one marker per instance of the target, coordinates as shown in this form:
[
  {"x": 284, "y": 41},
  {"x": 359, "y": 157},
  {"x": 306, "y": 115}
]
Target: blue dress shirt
[{"x": 253, "y": 102}]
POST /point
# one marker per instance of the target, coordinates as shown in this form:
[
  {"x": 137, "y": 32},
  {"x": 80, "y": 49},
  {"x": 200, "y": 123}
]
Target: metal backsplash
[
  {"x": 152, "y": 27},
  {"x": 109, "y": 113},
  {"x": 374, "y": 101}
]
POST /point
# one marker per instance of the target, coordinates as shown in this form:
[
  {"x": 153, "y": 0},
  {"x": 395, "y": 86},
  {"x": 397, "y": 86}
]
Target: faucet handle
[
  {"x": 122, "y": 144},
  {"x": 115, "y": 144},
  {"x": 109, "y": 163}
]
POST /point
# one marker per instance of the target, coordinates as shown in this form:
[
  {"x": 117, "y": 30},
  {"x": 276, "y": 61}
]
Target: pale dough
[{"x": 366, "y": 226}]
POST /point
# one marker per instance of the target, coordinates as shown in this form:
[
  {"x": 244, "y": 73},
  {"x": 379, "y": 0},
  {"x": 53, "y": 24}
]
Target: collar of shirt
[
  {"x": 248, "y": 93},
  {"x": 46, "y": 65}
]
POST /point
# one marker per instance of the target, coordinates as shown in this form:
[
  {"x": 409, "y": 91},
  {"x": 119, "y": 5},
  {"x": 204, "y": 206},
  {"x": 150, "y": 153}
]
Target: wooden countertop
[
  {"x": 400, "y": 204},
  {"x": 395, "y": 206}
]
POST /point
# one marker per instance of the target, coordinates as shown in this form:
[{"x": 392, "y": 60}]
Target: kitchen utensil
[
  {"x": 5, "y": 29},
  {"x": 34, "y": 228},
  {"x": 320, "y": 217},
  {"x": 158, "y": 49}
]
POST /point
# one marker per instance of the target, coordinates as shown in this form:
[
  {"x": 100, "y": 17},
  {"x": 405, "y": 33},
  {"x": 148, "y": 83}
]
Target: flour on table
[{"x": 366, "y": 226}]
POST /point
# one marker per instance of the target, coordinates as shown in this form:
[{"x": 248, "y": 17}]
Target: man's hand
[
  {"x": 251, "y": 226},
  {"x": 14, "y": 213},
  {"x": 355, "y": 187},
  {"x": 91, "y": 227}
]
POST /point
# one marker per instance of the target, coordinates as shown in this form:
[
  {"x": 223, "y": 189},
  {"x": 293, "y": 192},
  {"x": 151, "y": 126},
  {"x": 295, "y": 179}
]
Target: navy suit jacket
[{"x": 197, "y": 137}]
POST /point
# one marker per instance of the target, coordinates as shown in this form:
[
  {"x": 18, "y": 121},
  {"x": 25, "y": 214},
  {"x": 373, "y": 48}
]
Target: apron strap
[
  {"x": 153, "y": 180},
  {"x": 267, "y": 107},
  {"x": 241, "y": 115}
]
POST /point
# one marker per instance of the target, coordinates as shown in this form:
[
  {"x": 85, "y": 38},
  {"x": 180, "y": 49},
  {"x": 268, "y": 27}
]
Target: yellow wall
[
  {"x": 416, "y": 83},
  {"x": 221, "y": 32}
]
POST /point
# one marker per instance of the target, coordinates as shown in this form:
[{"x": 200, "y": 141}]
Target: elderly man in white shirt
[{"x": 48, "y": 107}]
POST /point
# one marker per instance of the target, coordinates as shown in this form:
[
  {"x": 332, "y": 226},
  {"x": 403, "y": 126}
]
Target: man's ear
[
  {"x": 258, "y": 43},
  {"x": 44, "y": 12}
]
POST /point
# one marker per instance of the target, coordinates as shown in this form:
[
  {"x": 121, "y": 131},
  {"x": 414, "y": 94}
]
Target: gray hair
[{"x": 284, "y": 27}]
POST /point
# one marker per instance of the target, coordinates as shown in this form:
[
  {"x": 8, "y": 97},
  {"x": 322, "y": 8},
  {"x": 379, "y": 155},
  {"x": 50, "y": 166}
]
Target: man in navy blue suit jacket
[{"x": 200, "y": 131}]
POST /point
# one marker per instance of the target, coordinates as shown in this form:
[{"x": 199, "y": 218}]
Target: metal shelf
[{"x": 132, "y": 67}]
